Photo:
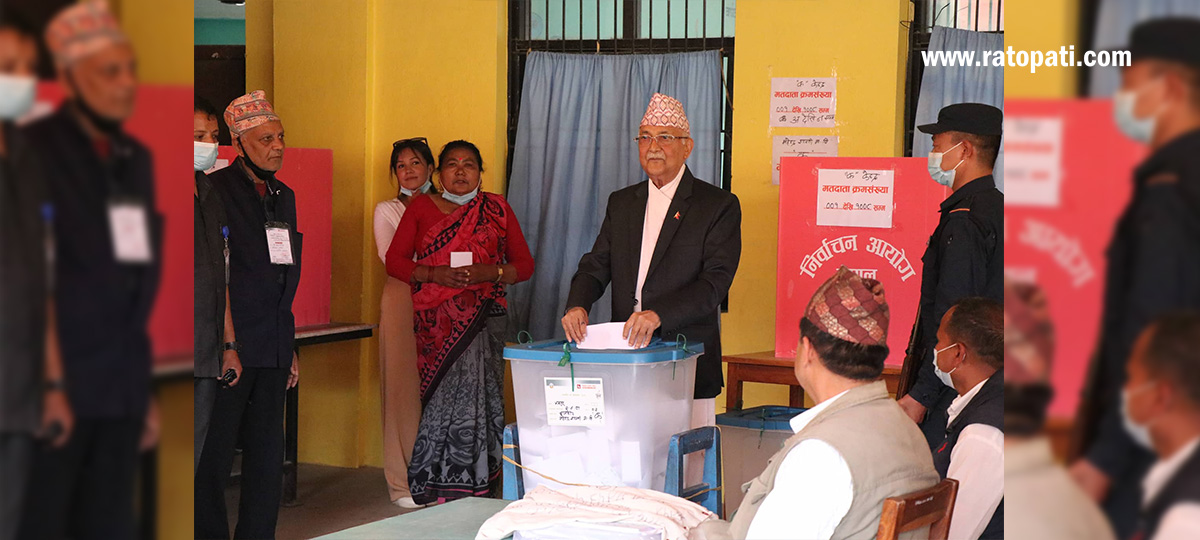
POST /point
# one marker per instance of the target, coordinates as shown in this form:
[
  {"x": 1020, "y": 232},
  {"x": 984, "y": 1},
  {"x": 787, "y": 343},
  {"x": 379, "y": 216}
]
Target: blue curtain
[
  {"x": 579, "y": 115},
  {"x": 943, "y": 85},
  {"x": 1114, "y": 22}
]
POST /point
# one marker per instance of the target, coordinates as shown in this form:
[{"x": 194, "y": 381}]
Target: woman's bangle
[{"x": 499, "y": 273}]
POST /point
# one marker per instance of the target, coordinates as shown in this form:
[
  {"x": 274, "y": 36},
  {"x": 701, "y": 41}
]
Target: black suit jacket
[
  {"x": 260, "y": 293},
  {"x": 209, "y": 279},
  {"x": 690, "y": 272}
]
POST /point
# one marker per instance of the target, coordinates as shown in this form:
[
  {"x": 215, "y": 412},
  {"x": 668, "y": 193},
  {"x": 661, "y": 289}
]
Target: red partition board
[
  {"x": 161, "y": 123},
  {"x": 1060, "y": 241},
  {"x": 809, "y": 253},
  {"x": 309, "y": 172}
]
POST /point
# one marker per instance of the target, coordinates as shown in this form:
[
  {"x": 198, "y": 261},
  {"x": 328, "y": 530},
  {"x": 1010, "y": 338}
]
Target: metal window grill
[
  {"x": 976, "y": 15},
  {"x": 620, "y": 27}
]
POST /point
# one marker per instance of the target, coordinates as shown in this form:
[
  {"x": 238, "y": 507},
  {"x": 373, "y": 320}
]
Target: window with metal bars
[
  {"x": 976, "y": 15},
  {"x": 620, "y": 27}
]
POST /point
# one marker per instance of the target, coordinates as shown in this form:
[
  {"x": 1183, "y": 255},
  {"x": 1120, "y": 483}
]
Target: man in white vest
[{"x": 852, "y": 450}]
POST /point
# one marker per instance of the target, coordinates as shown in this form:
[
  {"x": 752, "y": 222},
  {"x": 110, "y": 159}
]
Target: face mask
[
  {"x": 945, "y": 178},
  {"x": 1139, "y": 432},
  {"x": 423, "y": 189},
  {"x": 263, "y": 174},
  {"x": 16, "y": 96},
  {"x": 204, "y": 155},
  {"x": 1138, "y": 129},
  {"x": 942, "y": 375},
  {"x": 460, "y": 199}
]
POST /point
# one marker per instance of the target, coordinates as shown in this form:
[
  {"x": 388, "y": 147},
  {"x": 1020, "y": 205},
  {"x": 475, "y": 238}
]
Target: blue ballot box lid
[
  {"x": 552, "y": 351},
  {"x": 768, "y": 417}
]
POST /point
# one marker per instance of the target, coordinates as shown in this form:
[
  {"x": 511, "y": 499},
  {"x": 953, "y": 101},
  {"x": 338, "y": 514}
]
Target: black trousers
[
  {"x": 253, "y": 408},
  {"x": 16, "y": 458},
  {"x": 85, "y": 489},
  {"x": 205, "y": 394}
]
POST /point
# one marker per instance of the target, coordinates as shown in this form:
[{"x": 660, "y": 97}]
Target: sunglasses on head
[{"x": 421, "y": 140}]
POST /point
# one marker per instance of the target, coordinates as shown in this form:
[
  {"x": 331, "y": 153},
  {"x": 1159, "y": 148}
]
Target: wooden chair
[{"x": 933, "y": 507}]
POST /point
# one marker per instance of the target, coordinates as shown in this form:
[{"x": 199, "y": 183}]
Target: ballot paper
[
  {"x": 460, "y": 259},
  {"x": 605, "y": 336}
]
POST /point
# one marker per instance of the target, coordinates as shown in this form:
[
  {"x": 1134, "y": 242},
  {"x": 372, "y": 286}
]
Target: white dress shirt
[
  {"x": 813, "y": 489},
  {"x": 387, "y": 218},
  {"x": 977, "y": 462},
  {"x": 658, "y": 201},
  {"x": 1181, "y": 521}
]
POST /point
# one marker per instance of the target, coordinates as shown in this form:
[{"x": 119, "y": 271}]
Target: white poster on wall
[
  {"x": 855, "y": 198},
  {"x": 803, "y": 102},
  {"x": 803, "y": 146},
  {"x": 1033, "y": 161}
]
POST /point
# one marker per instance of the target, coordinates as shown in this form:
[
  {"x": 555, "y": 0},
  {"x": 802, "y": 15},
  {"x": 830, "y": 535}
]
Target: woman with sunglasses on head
[{"x": 411, "y": 164}]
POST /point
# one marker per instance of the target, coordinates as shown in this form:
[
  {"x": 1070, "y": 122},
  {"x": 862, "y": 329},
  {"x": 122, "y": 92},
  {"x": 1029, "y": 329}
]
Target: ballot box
[
  {"x": 749, "y": 438},
  {"x": 600, "y": 417}
]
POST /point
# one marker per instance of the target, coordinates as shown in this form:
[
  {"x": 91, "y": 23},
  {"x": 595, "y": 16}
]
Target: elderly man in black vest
[
  {"x": 1161, "y": 412},
  {"x": 969, "y": 358}
]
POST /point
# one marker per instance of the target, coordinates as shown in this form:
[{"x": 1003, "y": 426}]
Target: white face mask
[
  {"x": 1139, "y": 432},
  {"x": 945, "y": 178},
  {"x": 16, "y": 96},
  {"x": 423, "y": 189},
  {"x": 204, "y": 155},
  {"x": 1138, "y": 129},
  {"x": 460, "y": 199},
  {"x": 942, "y": 375}
]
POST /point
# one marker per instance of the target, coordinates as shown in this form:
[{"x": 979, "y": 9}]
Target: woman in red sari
[{"x": 459, "y": 321}]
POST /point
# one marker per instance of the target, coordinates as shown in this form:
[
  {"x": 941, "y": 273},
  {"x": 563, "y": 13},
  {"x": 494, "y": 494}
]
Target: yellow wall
[
  {"x": 862, "y": 44},
  {"x": 1042, "y": 25},
  {"x": 356, "y": 76}
]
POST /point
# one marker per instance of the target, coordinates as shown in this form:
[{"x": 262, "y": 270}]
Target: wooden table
[
  {"x": 455, "y": 520},
  {"x": 765, "y": 367}
]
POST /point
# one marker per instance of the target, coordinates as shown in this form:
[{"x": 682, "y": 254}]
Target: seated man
[
  {"x": 1161, "y": 405},
  {"x": 1036, "y": 486},
  {"x": 851, "y": 451},
  {"x": 969, "y": 359}
]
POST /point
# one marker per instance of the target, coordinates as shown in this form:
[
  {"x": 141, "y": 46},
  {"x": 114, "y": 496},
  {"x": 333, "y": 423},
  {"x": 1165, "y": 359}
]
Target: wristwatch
[
  {"x": 56, "y": 385},
  {"x": 231, "y": 346}
]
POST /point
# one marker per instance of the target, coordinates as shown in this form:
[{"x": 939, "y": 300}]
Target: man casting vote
[{"x": 670, "y": 247}]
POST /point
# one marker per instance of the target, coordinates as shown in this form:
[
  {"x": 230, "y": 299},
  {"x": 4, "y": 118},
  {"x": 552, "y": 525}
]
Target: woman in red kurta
[{"x": 459, "y": 317}]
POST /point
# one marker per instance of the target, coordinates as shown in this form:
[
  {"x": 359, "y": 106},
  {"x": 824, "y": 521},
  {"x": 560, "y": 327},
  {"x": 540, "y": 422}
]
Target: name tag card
[
  {"x": 279, "y": 243},
  {"x": 130, "y": 233},
  {"x": 459, "y": 259}
]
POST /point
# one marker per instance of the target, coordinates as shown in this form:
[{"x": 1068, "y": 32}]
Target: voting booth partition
[
  {"x": 309, "y": 172},
  {"x": 602, "y": 417},
  {"x": 872, "y": 215},
  {"x": 1069, "y": 174}
]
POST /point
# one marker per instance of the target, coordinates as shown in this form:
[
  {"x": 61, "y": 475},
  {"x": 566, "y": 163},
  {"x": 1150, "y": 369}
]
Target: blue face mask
[
  {"x": 1138, "y": 129},
  {"x": 16, "y": 96},
  {"x": 945, "y": 178},
  {"x": 943, "y": 376},
  {"x": 460, "y": 199},
  {"x": 423, "y": 189}
]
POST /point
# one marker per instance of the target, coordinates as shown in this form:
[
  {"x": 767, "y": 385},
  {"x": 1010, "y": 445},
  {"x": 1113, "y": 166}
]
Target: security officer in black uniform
[
  {"x": 965, "y": 255},
  {"x": 264, "y": 270},
  {"x": 1154, "y": 257}
]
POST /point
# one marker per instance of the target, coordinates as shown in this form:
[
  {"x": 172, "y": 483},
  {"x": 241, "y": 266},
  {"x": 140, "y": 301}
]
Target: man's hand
[
  {"x": 151, "y": 430},
  {"x": 455, "y": 278},
  {"x": 1094, "y": 482},
  {"x": 294, "y": 374},
  {"x": 230, "y": 360},
  {"x": 912, "y": 408},
  {"x": 640, "y": 328},
  {"x": 575, "y": 324},
  {"x": 57, "y": 411}
]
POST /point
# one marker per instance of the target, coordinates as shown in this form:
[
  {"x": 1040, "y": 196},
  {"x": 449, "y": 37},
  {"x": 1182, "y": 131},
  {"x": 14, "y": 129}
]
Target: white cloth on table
[
  {"x": 658, "y": 201},
  {"x": 543, "y": 507},
  {"x": 977, "y": 462},
  {"x": 813, "y": 477},
  {"x": 387, "y": 218}
]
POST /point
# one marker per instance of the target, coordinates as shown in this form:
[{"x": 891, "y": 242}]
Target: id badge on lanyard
[
  {"x": 279, "y": 243},
  {"x": 129, "y": 226}
]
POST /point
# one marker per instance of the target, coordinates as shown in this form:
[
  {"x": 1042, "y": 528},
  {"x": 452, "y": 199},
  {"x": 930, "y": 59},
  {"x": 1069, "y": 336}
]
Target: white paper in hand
[
  {"x": 459, "y": 259},
  {"x": 605, "y": 336}
]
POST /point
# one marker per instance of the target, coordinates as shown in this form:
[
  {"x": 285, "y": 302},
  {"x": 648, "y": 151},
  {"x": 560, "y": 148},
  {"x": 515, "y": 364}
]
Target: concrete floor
[{"x": 331, "y": 499}]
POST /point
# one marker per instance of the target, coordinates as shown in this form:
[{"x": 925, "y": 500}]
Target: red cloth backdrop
[{"x": 914, "y": 215}]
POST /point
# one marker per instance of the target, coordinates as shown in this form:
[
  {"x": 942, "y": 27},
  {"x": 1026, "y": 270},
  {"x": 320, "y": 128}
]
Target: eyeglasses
[
  {"x": 421, "y": 140},
  {"x": 663, "y": 139}
]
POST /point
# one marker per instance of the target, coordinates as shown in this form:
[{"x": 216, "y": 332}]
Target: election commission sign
[{"x": 873, "y": 215}]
